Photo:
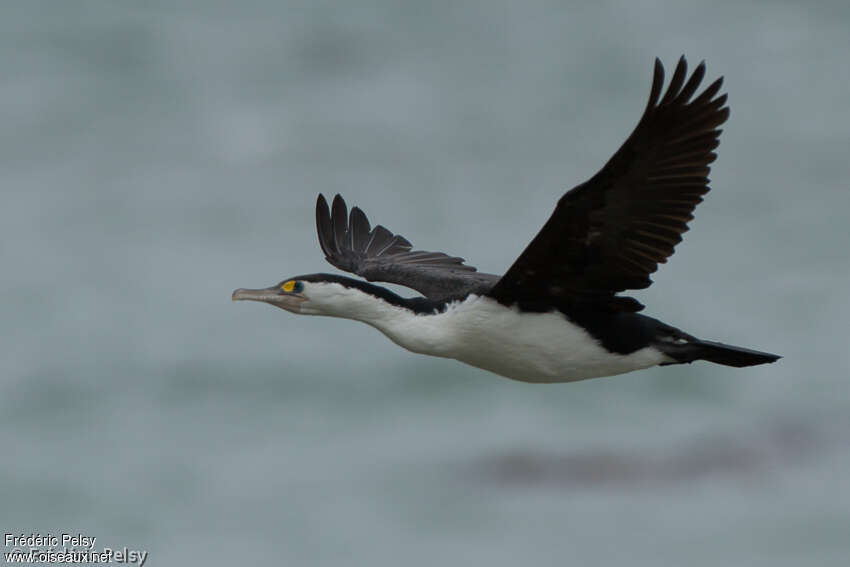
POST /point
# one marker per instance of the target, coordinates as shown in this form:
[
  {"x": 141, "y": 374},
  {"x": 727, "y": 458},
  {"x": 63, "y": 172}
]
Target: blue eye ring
[{"x": 298, "y": 287}]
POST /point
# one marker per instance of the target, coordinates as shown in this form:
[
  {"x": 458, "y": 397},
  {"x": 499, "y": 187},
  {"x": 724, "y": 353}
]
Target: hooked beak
[{"x": 271, "y": 295}]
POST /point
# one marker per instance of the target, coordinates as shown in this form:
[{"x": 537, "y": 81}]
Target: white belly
[{"x": 531, "y": 347}]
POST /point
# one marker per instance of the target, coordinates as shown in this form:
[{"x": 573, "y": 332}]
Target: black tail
[{"x": 719, "y": 353}]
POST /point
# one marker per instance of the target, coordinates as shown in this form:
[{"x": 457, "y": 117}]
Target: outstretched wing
[
  {"x": 350, "y": 244},
  {"x": 609, "y": 233}
]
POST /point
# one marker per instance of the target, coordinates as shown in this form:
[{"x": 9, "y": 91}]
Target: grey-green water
[{"x": 154, "y": 156}]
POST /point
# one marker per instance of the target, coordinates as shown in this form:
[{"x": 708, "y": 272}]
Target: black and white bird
[{"x": 555, "y": 315}]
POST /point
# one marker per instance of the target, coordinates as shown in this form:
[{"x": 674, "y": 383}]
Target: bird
[{"x": 557, "y": 313}]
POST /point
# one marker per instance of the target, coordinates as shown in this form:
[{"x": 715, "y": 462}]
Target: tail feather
[{"x": 720, "y": 353}]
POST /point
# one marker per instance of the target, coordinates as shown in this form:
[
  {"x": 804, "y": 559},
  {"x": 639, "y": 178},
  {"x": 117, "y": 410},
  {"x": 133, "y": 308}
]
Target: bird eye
[{"x": 292, "y": 286}]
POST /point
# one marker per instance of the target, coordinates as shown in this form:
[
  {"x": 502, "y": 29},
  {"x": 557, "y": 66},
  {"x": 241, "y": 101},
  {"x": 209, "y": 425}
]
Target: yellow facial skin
[{"x": 288, "y": 286}]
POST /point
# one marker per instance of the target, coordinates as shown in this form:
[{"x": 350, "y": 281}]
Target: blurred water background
[{"x": 156, "y": 155}]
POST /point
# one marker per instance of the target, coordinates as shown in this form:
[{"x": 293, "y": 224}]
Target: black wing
[
  {"x": 609, "y": 233},
  {"x": 350, "y": 244}
]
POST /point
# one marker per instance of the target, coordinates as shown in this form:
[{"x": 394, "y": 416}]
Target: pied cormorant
[{"x": 555, "y": 315}]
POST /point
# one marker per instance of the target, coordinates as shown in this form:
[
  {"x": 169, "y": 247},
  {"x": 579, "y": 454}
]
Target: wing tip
[
  {"x": 657, "y": 83},
  {"x": 323, "y": 226},
  {"x": 680, "y": 91}
]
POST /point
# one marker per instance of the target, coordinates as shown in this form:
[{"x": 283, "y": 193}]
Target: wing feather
[
  {"x": 610, "y": 233},
  {"x": 351, "y": 244}
]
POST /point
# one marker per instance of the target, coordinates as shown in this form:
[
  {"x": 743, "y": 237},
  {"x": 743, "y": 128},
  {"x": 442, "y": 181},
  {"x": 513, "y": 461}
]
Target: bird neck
[{"x": 362, "y": 301}]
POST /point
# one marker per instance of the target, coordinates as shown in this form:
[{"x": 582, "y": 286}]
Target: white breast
[{"x": 531, "y": 347}]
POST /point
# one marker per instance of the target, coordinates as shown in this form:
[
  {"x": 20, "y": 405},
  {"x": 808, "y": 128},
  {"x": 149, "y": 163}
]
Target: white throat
[{"x": 336, "y": 300}]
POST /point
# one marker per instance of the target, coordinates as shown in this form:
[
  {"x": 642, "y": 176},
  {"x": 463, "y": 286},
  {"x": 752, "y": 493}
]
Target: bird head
[
  {"x": 289, "y": 294},
  {"x": 323, "y": 294}
]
